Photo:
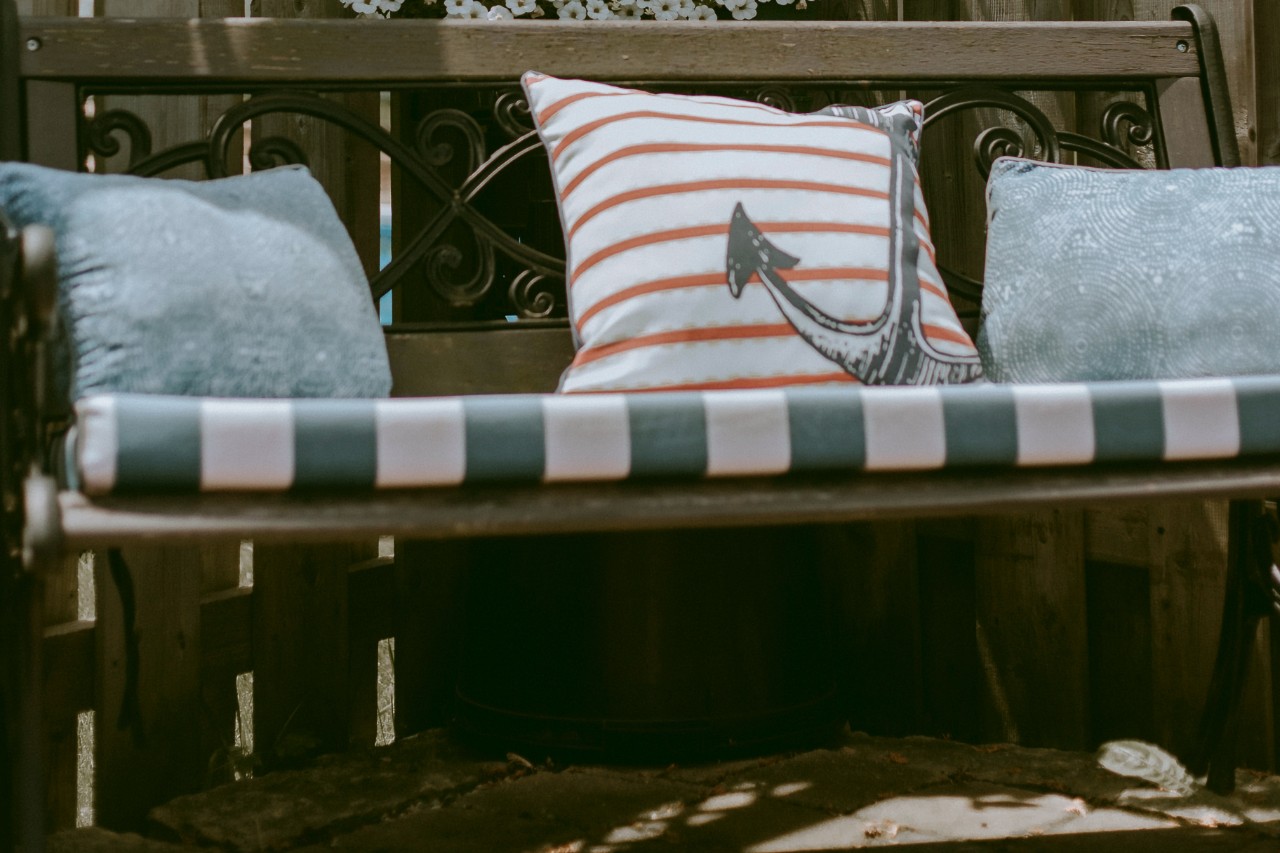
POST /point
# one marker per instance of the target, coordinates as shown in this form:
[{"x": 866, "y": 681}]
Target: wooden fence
[{"x": 1057, "y": 628}]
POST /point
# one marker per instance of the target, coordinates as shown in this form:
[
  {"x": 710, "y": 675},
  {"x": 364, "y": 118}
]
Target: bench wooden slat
[
  {"x": 501, "y": 360},
  {"x": 306, "y": 51},
  {"x": 587, "y": 507}
]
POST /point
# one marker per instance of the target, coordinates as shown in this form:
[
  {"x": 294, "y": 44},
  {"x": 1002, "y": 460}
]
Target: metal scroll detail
[
  {"x": 445, "y": 160},
  {"x": 1014, "y": 126},
  {"x": 482, "y": 234}
]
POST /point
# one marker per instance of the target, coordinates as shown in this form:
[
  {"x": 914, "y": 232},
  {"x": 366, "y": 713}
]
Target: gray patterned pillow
[
  {"x": 241, "y": 287},
  {"x": 1106, "y": 274}
]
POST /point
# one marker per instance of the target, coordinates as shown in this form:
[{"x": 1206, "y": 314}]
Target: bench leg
[{"x": 1251, "y": 584}]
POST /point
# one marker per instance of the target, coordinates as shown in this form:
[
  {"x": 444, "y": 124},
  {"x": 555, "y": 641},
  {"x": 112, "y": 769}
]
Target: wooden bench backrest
[{"x": 1167, "y": 76}]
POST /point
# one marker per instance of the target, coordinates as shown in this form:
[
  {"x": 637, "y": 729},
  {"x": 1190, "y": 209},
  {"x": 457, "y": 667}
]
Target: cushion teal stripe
[
  {"x": 158, "y": 440},
  {"x": 981, "y": 426},
  {"x": 505, "y": 438},
  {"x": 668, "y": 434},
  {"x": 335, "y": 443},
  {"x": 827, "y": 430},
  {"x": 1258, "y": 405},
  {"x": 1128, "y": 421}
]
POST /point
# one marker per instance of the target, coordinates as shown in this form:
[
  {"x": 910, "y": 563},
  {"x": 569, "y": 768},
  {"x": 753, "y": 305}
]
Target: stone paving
[{"x": 427, "y": 793}]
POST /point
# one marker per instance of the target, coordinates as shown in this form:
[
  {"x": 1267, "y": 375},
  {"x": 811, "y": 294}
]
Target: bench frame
[{"x": 48, "y": 66}]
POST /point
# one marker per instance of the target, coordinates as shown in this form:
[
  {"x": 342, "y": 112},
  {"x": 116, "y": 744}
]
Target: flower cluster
[{"x": 574, "y": 10}]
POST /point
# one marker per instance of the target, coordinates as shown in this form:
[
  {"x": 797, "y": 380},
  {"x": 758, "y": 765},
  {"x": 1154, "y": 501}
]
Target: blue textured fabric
[
  {"x": 1099, "y": 274},
  {"x": 241, "y": 287}
]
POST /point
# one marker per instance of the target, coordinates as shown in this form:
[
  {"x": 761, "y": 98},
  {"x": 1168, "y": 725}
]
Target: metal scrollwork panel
[{"x": 478, "y": 233}]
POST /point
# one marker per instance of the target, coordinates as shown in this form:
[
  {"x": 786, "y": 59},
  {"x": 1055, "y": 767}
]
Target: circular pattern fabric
[{"x": 1097, "y": 274}]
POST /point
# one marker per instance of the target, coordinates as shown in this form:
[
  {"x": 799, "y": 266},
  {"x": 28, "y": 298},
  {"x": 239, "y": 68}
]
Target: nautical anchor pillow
[
  {"x": 1096, "y": 274},
  {"x": 722, "y": 244}
]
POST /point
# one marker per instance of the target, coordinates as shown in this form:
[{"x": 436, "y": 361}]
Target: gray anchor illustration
[{"x": 890, "y": 349}]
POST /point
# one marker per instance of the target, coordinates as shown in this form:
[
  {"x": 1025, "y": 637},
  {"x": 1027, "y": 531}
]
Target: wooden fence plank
[
  {"x": 220, "y": 578},
  {"x": 1032, "y": 636},
  {"x": 430, "y": 607},
  {"x": 1120, "y": 692},
  {"x": 870, "y": 574},
  {"x": 61, "y": 590},
  {"x": 1266, "y": 22},
  {"x": 347, "y": 167},
  {"x": 148, "y": 683},
  {"x": 177, "y": 119},
  {"x": 371, "y": 595},
  {"x": 951, "y": 672},
  {"x": 300, "y": 649}
]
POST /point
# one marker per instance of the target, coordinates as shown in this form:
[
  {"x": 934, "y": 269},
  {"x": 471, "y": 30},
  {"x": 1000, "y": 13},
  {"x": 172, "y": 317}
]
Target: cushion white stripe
[
  {"x": 1200, "y": 419},
  {"x": 420, "y": 442},
  {"x": 246, "y": 444},
  {"x": 97, "y": 443},
  {"x": 586, "y": 438},
  {"x": 1055, "y": 424},
  {"x": 904, "y": 428},
  {"x": 748, "y": 432}
]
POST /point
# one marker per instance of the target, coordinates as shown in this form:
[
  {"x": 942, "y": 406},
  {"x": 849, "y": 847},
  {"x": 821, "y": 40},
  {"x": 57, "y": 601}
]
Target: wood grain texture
[
  {"x": 301, "y": 649},
  {"x": 515, "y": 509},
  {"x": 345, "y": 166},
  {"x": 425, "y": 364},
  {"x": 219, "y": 579},
  {"x": 171, "y": 120},
  {"x": 60, "y": 8},
  {"x": 1031, "y": 622},
  {"x": 870, "y": 572},
  {"x": 146, "y": 758},
  {"x": 1266, "y": 22},
  {"x": 304, "y": 50},
  {"x": 429, "y": 607}
]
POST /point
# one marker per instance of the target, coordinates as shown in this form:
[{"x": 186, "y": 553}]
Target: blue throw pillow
[
  {"x": 241, "y": 287},
  {"x": 1106, "y": 274}
]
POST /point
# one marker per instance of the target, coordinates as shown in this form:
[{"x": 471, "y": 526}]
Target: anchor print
[{"x": 890, "y": 349}]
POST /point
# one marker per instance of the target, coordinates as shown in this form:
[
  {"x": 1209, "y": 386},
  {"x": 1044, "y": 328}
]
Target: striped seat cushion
[
  {"x": 722, "y": 244},
  {"x": 139, "y": 443}
]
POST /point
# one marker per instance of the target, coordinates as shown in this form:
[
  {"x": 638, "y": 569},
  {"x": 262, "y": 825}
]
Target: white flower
[
  {"x": 665, "y": 10},
  {"x": 703, "y": 13},
  {"x": 629, "y": 10},
  {"x": 478, "y": 10},
  {"x": 732, "y": 4},
  {"x": 522, "y": 7},
  {"x": 598, "y": 10},
  {"x": 686, "y": 8},
  {"x": 573, "y": 11},
  {"x": 499, "y": 13},
  {"x": 457, "y": 8},
  {"x": 745, "y": 12},
  {"x": 374, "y": 8}
]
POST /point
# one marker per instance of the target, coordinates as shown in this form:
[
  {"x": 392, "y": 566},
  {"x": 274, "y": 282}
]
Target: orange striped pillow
[{"x": 715, "y": 243}]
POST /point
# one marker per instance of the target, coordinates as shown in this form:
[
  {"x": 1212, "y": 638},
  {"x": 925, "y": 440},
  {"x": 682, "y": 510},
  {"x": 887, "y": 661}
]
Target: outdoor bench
[{"x": 555, "y": 480}]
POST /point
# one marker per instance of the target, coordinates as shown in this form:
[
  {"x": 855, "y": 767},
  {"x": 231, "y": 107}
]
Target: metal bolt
[
  {"x": 33, "y": 44},
  {"x": 1183, "y": 47}
]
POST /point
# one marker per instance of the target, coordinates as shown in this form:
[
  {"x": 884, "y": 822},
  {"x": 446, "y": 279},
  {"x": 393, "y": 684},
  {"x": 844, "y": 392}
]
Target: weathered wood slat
[
  {"x": 148, "y": 742},
  {"x": 870, "y": 570},
  {"x": 429, "y": 611},
  {"x": 478, "y": 362},
  {"x": 301, "y": 649},
  {"x": 60, "y": 607},
  {"x": 478, "y": 511},
  {"x": 1029, "y": 575},
  {"x": 223, "y": 52}
]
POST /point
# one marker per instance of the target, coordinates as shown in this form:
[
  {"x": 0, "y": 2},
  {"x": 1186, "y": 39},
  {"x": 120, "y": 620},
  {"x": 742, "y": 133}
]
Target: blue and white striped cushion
[{"x": 132, "y": 443}]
